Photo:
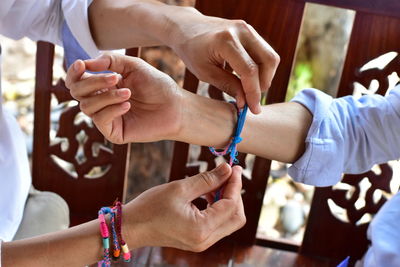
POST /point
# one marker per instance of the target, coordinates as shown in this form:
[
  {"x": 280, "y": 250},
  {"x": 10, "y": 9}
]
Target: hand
[
  {"x": 205, "y": 43},
  {"x": 165, "y": 216},
  {"x": 141, "y": 104}
]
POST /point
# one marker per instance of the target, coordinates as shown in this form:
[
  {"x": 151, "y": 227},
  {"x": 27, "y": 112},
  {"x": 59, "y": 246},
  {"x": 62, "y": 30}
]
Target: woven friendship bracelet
[
  {"x": 124, "y": 246},
  {"x": 231, "y": 148},
  {"x": 116, "y": 230},
  {"x": 106, "y": 262}
]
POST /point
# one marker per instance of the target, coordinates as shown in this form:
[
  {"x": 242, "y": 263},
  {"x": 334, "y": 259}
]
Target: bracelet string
[{"x": 231, "y": 148}]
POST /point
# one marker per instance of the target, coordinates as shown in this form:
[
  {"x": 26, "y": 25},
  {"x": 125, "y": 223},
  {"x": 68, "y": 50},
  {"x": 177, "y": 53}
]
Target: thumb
[{"x": 206, "y": 182}]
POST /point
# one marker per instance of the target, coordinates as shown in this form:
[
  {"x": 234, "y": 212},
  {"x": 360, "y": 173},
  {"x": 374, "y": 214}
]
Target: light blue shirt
[{"x": 350, "y": 135}]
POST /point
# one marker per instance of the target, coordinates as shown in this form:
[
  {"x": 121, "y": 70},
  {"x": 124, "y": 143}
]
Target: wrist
[
  {"x": 205, "y": 121},
  {"x": 133, "y": 230},
  {"x": 178, "y": 24}
]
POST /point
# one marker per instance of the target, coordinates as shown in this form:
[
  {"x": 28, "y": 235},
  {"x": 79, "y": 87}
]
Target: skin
[
  {"x": 204, "y": 43},
  {"x": 149, "y": 220},
  {"x": 153, "y": 107}
]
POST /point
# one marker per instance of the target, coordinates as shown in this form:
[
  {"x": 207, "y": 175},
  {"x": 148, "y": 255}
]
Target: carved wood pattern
[
  {"x": 381, "y": 75},
  {"x": 378, "y": 182}
]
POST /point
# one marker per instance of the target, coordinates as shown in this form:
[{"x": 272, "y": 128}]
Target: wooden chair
[{"x": 327, "y": 240}]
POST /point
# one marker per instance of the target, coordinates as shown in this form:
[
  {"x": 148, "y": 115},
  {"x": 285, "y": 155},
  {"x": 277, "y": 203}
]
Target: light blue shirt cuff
[
  {"x": 347, "y": 135},
  {"x": 323, "y": 143}
]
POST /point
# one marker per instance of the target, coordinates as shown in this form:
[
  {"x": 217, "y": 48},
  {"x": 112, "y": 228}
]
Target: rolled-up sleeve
[
  {"x": 347, "y": 135},
  {"x": 44, "y": 20}
]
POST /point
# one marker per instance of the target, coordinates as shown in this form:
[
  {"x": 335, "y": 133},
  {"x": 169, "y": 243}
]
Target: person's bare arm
[{"x": 204, "y": 43}]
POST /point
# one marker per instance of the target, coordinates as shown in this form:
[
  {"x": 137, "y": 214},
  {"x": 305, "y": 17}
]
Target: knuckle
[
  {"x": 225, "y": 36},
  {"x": 276, "y": 59},
  {"x": 83, "y": 106},
  {"x": 241, "y": 24},
  {"x": 199, "y": 236},
  {"x": 266, "y": 85},
  {"x": 242, "y": 220},
  {"x": 207, "y": 177},
  {"x": 72, "y": 92},
  {"x": 251, "y": 68},
  {"x": 225, "y": 86}
]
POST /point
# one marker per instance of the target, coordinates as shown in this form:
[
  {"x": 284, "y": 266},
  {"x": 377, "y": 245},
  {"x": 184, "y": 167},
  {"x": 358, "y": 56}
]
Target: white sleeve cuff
[{"x": 76, "y": 16}]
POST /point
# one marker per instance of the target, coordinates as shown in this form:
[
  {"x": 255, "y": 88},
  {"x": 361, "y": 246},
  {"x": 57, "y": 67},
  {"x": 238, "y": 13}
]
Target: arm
[
  {"x": 153, "y": 108},
  {"x": 278, "y": 132},
  {"x": 204, "y": 43},
  {"x": 148, "y": 220}
]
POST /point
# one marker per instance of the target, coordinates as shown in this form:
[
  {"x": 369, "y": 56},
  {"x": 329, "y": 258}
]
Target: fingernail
[
  {"x": 125, "y": 105},
  {"x": 221, "y": 170},
  {"x": 123, "y": 93}
]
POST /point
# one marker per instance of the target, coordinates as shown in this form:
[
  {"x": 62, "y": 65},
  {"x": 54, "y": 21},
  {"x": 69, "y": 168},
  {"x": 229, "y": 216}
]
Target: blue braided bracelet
[{"x": 231, "y": 148}]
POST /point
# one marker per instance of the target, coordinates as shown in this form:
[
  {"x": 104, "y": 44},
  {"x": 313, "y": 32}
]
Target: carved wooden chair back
[
  {"x": 375, "y": 32},
  {"x": 70, "y": 156}
]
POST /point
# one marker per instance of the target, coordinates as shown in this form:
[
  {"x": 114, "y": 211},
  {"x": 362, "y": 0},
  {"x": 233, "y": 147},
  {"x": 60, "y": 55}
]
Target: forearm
[
  {"x": 77, "y": 246},
  {"x": 277, "y": 133},
  {"x": 133, "y": 23}
]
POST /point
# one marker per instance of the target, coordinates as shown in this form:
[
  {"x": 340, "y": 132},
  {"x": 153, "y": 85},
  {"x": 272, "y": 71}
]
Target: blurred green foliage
[{"x": 299, "y": 80}]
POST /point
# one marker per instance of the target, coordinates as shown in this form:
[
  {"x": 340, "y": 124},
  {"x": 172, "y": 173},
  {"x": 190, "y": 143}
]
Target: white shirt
[{"x": 38, "y": 20}]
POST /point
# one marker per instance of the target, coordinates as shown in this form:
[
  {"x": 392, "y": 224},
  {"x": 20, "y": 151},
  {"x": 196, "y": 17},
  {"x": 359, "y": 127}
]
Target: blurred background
[{"x": 286, "y": 203}]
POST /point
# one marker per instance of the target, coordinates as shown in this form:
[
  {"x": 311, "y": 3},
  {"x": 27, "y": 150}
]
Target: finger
[
  {"x": 233, "y": 187},
  {"x": 94, "y": 104},
  {"x": 206, "y": 182},
  {"x": 240, "y": 61},
  {"x": 93, "y": 83},
  {"x": 74, "y": 73},
  {"x": 223, "y": 209},
  {"x": 264, "y": 56},
  {"x": 114, "y": 62},
  {"x": 110, "y": 113},
  {"x": 228, "y": 83}
]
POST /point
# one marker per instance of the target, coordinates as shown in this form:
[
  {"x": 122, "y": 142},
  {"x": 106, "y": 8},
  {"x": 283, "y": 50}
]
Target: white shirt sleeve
[
  {"x": 384, "y": 233},
  {"x": 43, "y": 20}
]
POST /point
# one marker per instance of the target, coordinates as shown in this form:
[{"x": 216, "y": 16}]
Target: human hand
[
  {"x": 165, "y": 215},
  {"x": 205, "y": 43},
  {"x": 141, "y": 104}
]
